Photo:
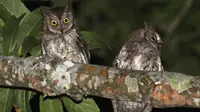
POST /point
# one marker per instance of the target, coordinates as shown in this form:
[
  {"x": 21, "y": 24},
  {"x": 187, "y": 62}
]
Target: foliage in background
[
  {"x": 109, "y": 23},
  {"x": 175, "y": 20},
  {"x": 20, "y": 35}
]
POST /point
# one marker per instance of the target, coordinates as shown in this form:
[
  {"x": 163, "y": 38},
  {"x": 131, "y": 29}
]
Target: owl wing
[
  {"x": 138, "y": 56},
  {"x": 84, "y": 49},
  {"x": 43, "y": 45},
  {"x": 132, "y": 55},
  {"x": 128, "y": 51}
]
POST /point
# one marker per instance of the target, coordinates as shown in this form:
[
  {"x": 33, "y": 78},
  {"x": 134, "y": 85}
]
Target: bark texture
[{"x": 53, "y": 76}]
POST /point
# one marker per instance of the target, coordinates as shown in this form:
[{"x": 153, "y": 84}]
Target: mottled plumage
[
  {"x": 61, "y": 39},
  {"x": 60, "y": 35},
  {"x": 141, "y": 52}
]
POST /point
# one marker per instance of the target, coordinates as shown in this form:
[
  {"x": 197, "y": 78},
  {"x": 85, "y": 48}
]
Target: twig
[{"x": 177, "y": 20}]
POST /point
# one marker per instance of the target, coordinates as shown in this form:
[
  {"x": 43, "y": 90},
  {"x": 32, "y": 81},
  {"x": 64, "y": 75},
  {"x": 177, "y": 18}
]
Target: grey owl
[
  {"x": 141, "y": 52},
  {"x": 61, "y": 38},
  {"x": 60, "y": 35}
]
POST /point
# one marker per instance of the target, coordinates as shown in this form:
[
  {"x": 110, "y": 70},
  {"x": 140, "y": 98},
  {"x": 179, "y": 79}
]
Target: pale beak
[{"x": 160, "y": 43}]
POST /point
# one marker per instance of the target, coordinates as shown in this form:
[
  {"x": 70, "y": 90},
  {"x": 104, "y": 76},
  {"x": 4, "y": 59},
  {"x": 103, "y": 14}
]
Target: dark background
[{"x": 177, "y": 21}]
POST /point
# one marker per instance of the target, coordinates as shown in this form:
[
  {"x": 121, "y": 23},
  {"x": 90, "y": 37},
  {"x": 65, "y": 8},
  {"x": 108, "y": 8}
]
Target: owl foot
[
  {"x": 77, "y": 97},
  {"x": 147, "y": 108}
]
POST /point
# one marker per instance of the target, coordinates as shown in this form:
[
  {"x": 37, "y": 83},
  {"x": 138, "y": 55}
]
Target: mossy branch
[{"x": 55, "y": 77}]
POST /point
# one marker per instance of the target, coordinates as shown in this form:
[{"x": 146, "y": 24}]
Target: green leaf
[
  {"x": 32, "y": 45},
  {"x": 87, "y": 105},
  {"x": 50, "y": 105},
  {"x": 8, "y": 34},
  {"x": 36, "y": 51},
  {"x": 12, "y": 7},
  {"x": 6, "y": 99},
  {"x": 93, "y": 40},
  {"x": 2, "y": 23},
  {"x": 1, "y": 40},
  {"x": 30, "y": 26},
  {"x": 22, "y": 99}
]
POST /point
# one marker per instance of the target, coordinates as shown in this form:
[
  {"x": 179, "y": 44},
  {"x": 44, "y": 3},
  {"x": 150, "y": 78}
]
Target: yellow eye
[
  {"x": 66, "y": 20},
  {"x": 53, "y": 22},
  {"x": 153, "y": 38}
]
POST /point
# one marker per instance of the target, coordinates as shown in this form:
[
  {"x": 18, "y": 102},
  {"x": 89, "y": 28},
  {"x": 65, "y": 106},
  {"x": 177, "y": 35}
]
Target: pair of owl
[{"x": 61, "y": 39}]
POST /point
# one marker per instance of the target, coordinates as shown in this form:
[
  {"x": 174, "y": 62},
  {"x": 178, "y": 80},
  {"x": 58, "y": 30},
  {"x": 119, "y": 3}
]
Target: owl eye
[
  {"x": 153, "y": 38},
  {"x": 53, "y": 22},
  {"x": 66, "y": 20}
]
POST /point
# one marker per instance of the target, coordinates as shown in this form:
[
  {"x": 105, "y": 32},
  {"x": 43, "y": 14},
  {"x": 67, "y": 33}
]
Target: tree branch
[
  {"x": 55, "y": 77},
  {"x": 180, "y": 16}
]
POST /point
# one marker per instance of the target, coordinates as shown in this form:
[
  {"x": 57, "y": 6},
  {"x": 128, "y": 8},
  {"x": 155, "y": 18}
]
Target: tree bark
[{"x": 53, "y": 76}]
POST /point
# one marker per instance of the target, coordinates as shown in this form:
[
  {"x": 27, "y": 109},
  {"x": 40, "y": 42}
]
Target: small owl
[
  {"x": 141, "y": 52},
  {"x": 60, "y": 35},
  {"x": 61, "y": 39}
]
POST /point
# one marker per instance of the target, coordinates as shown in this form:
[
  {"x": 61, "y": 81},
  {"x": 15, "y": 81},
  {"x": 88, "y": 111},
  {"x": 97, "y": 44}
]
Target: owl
[
  {"x": 61, "y": 38},
  {"x": 141, "y": 52}
]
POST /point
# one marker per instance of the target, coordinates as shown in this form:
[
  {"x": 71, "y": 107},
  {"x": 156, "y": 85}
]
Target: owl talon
[{"x": 77, "y": 97}]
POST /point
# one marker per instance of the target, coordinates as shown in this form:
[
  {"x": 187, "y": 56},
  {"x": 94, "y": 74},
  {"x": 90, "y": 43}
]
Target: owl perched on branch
[
  {"x": 61, "y": 39},
  {"x": 60, "y": 35},
  {"x": 141, "y": 52}
]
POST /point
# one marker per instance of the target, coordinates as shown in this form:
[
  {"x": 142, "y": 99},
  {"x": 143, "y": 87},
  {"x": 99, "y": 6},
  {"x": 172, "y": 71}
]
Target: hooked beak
[
  {"x": 62, "y": 30},
  {"x": 160, "y": 43}
]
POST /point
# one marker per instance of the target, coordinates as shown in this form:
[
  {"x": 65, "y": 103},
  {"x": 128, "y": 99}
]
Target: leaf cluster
[{"x": 20, "y": 31}]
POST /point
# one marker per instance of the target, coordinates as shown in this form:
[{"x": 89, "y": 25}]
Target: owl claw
[{"x": 77, "y": 97}]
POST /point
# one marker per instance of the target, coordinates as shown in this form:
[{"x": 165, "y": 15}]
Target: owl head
[
  {"x": 148, "y": 35},
  {"x": 58, "y": 20}
]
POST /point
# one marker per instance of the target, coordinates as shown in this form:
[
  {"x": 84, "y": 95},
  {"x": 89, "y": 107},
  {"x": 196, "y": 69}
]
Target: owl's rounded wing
[
  {"x": 123, "y": 59},
  {"x": 43, "y": 48},
  {"x": 83, "y": 49},
  {"x": 138, "y": 56}
]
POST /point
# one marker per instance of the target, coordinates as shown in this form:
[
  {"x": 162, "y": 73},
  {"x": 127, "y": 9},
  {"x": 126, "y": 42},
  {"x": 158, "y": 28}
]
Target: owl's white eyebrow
[
  {"x": 53, "y": 16},
  {"x": 64, "y": 15}
]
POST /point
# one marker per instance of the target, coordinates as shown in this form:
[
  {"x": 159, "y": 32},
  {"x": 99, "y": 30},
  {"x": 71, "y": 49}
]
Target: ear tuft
[
  {"x": 147, "y": 27},
  {"x": 45, "y": 11},
  {"x": 68, "y": 5}
]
